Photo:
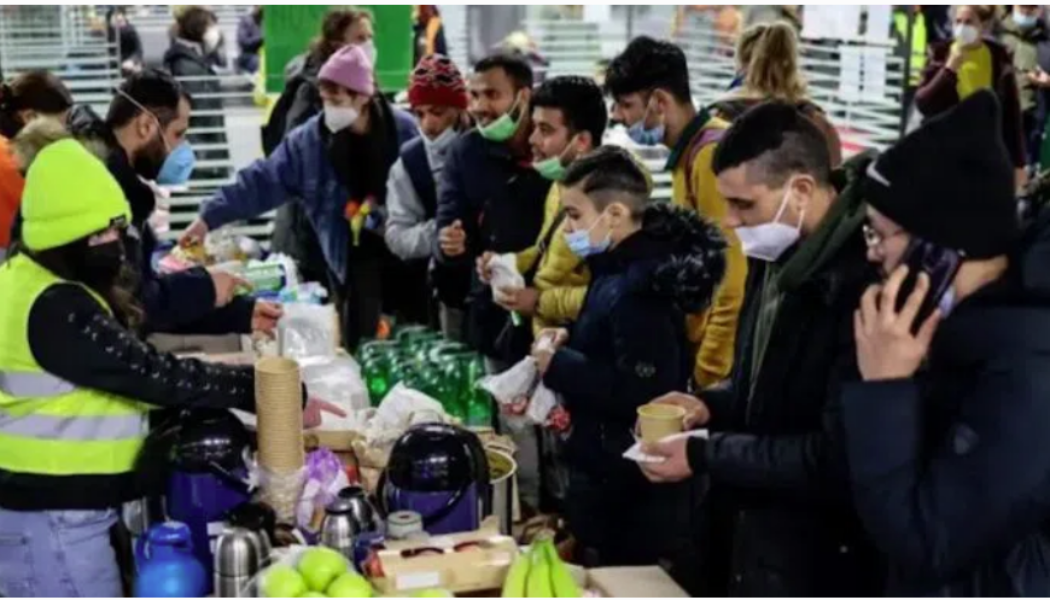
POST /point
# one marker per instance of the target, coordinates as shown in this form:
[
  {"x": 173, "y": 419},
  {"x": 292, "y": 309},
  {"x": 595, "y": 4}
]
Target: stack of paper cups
[{"x": 279, "y": 406}]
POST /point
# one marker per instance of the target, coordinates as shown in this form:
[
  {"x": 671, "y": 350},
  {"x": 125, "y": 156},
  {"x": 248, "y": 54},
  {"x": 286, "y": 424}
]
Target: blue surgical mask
[
  {"x": 178, "y": 166},
  {"x": 580, "y": 244},
  {"x": 646, "y": 137},
  {"x": 1025, "y": 21}
]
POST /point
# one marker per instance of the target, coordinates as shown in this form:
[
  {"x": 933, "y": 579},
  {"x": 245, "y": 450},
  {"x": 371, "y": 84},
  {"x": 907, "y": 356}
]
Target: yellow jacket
[
  {"x": 562, "y": 277},
  {"x": 714, "y": 330}
]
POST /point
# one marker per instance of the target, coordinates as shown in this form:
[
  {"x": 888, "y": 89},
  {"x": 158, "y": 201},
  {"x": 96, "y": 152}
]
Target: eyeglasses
[{"x": 875, "y": 240}]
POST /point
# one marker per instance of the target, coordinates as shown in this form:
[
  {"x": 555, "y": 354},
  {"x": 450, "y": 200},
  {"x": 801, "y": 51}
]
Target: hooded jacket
[
  {"x": 937, "y": 92},
  {"x": 629, "y": 346},
  {"x": 949, "y": 467},
  {"x": 630, "y": 343}
]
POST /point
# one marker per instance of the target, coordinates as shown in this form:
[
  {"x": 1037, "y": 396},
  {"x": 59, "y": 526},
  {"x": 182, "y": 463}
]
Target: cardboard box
[
  {"x": 481, "y": 567},
  {"x": 633, "y": 582}
]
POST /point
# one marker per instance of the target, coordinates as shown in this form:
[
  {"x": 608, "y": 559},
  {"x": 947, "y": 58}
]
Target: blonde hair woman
[{"x": 767, "y": 58}]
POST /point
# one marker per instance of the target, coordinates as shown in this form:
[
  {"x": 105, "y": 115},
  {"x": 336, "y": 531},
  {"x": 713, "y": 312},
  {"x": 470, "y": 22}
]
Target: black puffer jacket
[
  {"x": 629, "y": 346},
  {"x": 951, "y": 468},
  {"x": 778, "y": 519}
]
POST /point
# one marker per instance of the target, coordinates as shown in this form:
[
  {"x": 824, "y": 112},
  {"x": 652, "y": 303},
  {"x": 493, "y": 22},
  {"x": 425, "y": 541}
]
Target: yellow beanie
[{"x": 69, "y": 195}]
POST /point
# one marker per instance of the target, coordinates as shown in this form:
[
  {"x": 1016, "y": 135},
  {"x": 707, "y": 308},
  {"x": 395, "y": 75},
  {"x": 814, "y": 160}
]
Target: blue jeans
[{"x": 58, "y": 554}]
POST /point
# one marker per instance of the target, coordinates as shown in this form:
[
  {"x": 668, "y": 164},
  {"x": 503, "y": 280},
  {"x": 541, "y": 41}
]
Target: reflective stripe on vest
[
  {"x": 46, "y": 427},
  {"x": 34, "y": 385},
  {"x": 39, "y": 386},
  {"x": 49, "y": 426}
]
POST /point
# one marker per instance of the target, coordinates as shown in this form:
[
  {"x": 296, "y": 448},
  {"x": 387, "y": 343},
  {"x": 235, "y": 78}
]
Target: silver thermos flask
[
  {"x": 346, "y": 517},
  {"x": 239, "y": 556}
]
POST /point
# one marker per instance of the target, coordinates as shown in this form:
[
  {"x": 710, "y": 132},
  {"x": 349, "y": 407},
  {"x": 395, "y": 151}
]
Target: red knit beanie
[{"x": 437, "y": 81}]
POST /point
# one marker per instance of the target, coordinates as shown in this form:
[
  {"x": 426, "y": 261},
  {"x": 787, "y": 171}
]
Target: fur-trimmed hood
[{"x": 676, "y": 255}]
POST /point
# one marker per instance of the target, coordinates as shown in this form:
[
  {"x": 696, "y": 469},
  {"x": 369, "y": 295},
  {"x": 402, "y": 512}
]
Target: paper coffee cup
[{"x": 658, "y": 421}]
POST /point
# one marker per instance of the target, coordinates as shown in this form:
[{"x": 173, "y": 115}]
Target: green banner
[{"x": 289, "y": 28}]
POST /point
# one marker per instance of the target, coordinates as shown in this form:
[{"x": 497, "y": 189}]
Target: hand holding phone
[{"x": 941, "y": 265}]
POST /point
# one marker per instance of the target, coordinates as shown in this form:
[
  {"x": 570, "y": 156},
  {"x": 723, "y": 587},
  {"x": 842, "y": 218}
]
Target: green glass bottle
[
  {"x": 477, "y": 401},
  {"x": 376, "y": 371}
]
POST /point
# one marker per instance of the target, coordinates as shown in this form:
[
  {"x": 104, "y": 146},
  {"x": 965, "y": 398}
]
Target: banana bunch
[{"x": 540, "y": 573}]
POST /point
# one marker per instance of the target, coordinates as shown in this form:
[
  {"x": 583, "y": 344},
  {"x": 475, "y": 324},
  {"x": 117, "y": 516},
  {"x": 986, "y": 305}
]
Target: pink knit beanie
[{"x": 350, "y": 68}]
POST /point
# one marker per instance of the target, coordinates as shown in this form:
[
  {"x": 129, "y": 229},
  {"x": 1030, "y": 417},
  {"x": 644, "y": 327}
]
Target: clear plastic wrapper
[
  {"x": 337, "y": 380},
  {"x": 324, "y": 477},
  {"x": 307, "y": 331},
  {"x": 282, "y": 490}
]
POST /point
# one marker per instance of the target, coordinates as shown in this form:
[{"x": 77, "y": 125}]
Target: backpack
[
  {"x": 274, "y": 129},
  {"x": 417, "y": 165},
  {"x": 707, "y": 137}
]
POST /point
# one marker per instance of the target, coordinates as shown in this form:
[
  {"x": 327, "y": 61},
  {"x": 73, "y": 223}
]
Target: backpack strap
[
  {"x": 708, "y": 136},
  {"x": 543, "y": 247},
  {"x": 414, "y": 157}
]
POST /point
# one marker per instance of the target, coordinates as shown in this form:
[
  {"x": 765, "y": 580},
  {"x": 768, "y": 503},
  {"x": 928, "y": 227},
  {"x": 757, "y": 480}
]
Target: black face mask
[{"x": 99, "y": 266}]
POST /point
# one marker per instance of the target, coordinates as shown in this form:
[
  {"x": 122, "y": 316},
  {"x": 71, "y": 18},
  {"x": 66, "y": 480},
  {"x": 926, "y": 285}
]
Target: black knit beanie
[{"x": 951, "y": 182}]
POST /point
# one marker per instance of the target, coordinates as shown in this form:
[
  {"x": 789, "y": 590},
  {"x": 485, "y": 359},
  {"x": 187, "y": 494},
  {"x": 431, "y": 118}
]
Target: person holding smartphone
[{"x": 945, "y": 434}]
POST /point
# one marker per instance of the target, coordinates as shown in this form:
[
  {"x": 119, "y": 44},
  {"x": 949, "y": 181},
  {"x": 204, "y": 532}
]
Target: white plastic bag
[
  {"x": 402, "y": 408},
  {"x": 307, "y": 331},
  {"x": 505, "y": 274},
  {"x": 337, "y": 380},
  {"x": 540, "y": 406},
  {"x": 514, "y": 384}
]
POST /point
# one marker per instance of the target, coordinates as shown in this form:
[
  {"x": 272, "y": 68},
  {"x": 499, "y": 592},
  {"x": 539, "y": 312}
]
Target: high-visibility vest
[
  {"x": 918, "y": 42},
  {"x": 50, "y": 428}
]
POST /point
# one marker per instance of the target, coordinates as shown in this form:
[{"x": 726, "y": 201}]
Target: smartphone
[{"x": 940, "y": 265}]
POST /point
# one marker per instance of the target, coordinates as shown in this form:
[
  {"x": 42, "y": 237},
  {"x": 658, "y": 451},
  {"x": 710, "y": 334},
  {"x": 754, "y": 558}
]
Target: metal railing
[
  {"x": 859, "y": 85},
  {"x": 160, "y": 16},
  {"x": 67, "y": 41}
]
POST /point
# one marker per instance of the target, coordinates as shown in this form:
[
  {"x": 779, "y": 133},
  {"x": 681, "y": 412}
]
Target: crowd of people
[{"x": 860, "y": 336}]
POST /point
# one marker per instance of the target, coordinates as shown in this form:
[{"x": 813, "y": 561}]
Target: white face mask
[
  {"x": 966, "y": 34},
  {"x": 769, "y": 241},
  {"x": 338, "y": 118},
  {"x": 370, "y": 51},
  {"x": 212, "y": 37}
]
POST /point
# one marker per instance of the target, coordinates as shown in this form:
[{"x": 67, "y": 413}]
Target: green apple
[
  {"x": 320, "y": 566},
  {"x": 313, "y": 595},
  {"x": 282, "y": 581},
  {"x": 350, "y": 585}
]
